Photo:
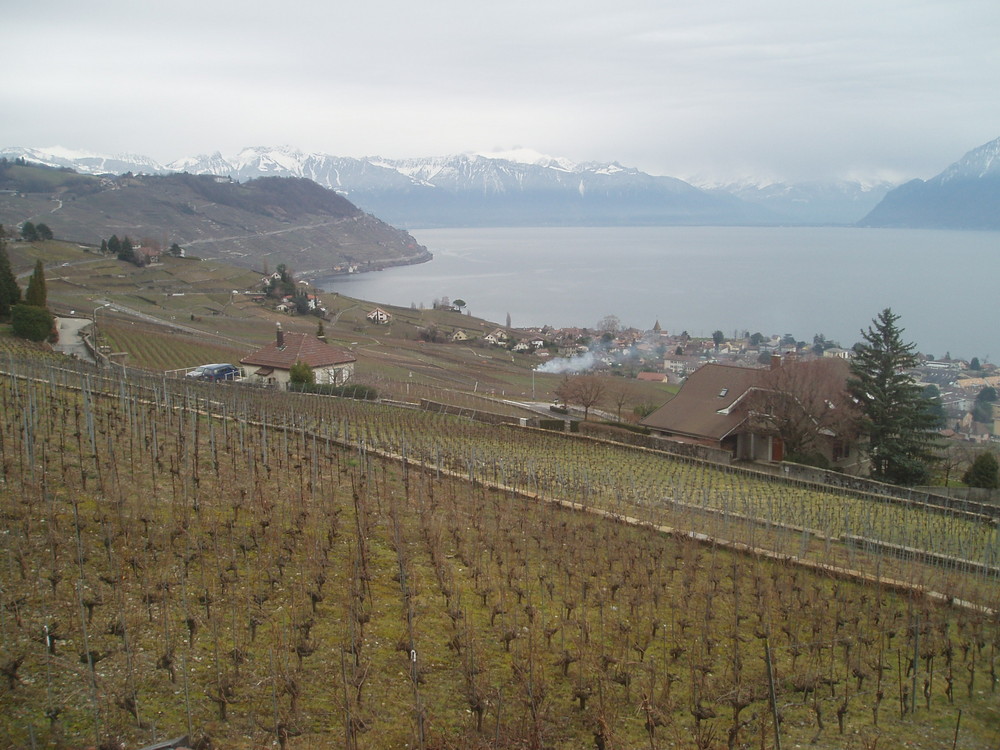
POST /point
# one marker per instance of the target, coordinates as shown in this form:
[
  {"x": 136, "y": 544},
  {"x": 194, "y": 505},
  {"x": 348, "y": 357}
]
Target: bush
[
  {"x": 352, "y": 390},
  {"x": 809, "y": 459},
  {"x": 558, "y": 425},
  {"x": 301, "y": 374},
  {"x": 637, "y": 428},
  {"x": 983, "y": 472},
  {"x": 32, "y": 323}
]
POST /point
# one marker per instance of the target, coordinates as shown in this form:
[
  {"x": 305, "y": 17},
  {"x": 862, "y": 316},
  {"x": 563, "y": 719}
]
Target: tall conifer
[
  {"x": 36, "y": 294},
  {"x": 10, "y": 292},
  {"x": 898, "y": 422}
]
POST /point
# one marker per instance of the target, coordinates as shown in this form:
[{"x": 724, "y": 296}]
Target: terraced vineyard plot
[{"x": 263, "y": 576}]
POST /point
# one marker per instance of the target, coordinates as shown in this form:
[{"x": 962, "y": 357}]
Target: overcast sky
[{"x": 717, "y": 89}]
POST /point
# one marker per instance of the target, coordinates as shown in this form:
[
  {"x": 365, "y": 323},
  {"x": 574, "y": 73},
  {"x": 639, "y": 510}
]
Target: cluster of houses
[
  {"x": 718, "y": 376},
  {"x": 303, "y": 302}
]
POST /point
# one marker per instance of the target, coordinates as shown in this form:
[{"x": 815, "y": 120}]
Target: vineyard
[{"x": 261, "y": 569}]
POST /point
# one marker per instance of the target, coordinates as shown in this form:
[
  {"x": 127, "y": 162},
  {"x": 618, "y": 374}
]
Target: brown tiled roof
[
  {"x": 709, "y": 390},
  {"x": 298, "y": 347}
]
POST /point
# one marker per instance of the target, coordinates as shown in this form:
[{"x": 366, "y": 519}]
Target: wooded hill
[{"x": 253, "y": 224}]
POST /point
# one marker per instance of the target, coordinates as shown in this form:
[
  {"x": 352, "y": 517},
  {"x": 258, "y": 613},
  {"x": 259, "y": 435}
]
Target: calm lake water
[{"x": 779, "y": 280}]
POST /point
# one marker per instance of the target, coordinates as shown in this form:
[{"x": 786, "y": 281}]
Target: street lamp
[{"x": 94, "y": 316}]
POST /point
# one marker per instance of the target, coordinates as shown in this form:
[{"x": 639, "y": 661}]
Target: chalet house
[
  {"x": 459, "y": 335},
  {"x": 274, "y": 362},
  {"x": 379, "y": 316},
  {"x": 736, "y": 409}
]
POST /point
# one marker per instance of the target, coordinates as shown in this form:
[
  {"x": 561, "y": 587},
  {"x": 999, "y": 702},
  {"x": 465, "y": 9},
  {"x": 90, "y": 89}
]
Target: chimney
[
  {"x": 281, "y": 337},
  {"x": 775, "y": 359}
]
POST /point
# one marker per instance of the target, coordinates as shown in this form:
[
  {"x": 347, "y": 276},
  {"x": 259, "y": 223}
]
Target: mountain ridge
[
  {"x": 269, "y": 220},
  {"x": 511, "y": 188},
  {"x": 965, "y": 195}
]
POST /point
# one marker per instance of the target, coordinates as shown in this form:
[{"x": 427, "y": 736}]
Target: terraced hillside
[{"x": 253, "y": 568}]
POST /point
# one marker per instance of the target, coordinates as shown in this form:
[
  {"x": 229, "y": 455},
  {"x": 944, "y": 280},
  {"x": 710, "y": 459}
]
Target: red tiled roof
[{"x": 299, "y": 347}]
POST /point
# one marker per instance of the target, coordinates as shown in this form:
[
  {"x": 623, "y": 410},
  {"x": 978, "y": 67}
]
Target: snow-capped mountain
[
  {"x": 966, "y": 195},
  {"x": 980, "y": 163},
  {"x": 508, "y": 188},
  {"x": 519, "y": 187},
  {"x": 85, "y": 161}
]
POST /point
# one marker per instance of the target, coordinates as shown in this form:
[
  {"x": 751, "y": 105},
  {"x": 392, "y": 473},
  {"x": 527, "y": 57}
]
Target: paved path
[{"x": 71, "y": 338}]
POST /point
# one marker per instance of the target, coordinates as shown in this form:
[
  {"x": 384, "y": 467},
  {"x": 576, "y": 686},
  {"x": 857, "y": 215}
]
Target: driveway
[{"x": 71, "y": 339}]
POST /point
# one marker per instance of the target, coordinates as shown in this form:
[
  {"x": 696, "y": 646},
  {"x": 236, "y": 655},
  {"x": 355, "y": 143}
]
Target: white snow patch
[{"x": 529, "y": 156}]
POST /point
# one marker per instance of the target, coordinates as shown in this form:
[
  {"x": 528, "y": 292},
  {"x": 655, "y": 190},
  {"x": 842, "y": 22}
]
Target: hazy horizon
[{"x": 712, "y": 91}]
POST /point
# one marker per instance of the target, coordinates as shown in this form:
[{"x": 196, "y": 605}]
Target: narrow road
[{"x": 71, "y": 338}]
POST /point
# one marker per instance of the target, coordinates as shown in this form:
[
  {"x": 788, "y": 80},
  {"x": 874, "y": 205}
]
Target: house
[
  {"x": 498, "y": 337},
  {"x": 761, "y": 414},
  {"x": 379, "y": 316},
  {"x": 146, "y": 255},
  {"x": 459, "y": 335},
  {"x": 274, "y": 362}
]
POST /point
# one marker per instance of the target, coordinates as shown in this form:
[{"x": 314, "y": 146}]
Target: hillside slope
[{"x": 269, "y": 220}]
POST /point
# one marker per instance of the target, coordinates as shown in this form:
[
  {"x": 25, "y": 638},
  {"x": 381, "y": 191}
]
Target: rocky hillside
[{"x": 265, "y": 221}]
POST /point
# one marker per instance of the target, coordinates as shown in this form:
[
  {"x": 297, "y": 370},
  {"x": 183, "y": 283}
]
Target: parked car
[
  {"x": 221, "y": 372},
  {"x": 215, "y": 372}
]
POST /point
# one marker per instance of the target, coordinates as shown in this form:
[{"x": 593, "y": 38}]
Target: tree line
[{"x": 28, "y": 314}]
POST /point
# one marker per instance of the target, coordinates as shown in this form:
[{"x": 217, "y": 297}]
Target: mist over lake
[{"x": 798, "y": 280}]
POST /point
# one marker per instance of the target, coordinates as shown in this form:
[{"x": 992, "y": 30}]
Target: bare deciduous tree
[
  {"x": 804, "y": 403},
  {"x": 585, "y": 391}
]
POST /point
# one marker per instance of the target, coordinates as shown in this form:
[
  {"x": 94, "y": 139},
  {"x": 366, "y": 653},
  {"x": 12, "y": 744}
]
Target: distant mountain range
[
  {"x": 525, "y": 188},
  {"x": 520, "y": 188},
  {"x": 966, "y": 195}
]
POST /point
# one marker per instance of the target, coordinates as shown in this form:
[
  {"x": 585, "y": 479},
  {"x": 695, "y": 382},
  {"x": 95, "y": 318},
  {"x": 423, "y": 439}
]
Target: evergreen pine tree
[
  {"x": 897, "y": 422},
  {"x": 36, "y": 294},
  {"x": 125, "y": 250},
  {"x": 10, "y": 292}
]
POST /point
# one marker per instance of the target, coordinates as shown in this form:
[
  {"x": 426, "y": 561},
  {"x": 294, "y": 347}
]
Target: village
[{"x": 661, "y": 356}]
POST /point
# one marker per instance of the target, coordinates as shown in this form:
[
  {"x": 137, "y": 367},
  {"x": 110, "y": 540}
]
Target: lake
[{"x": 776, "y": 280}]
